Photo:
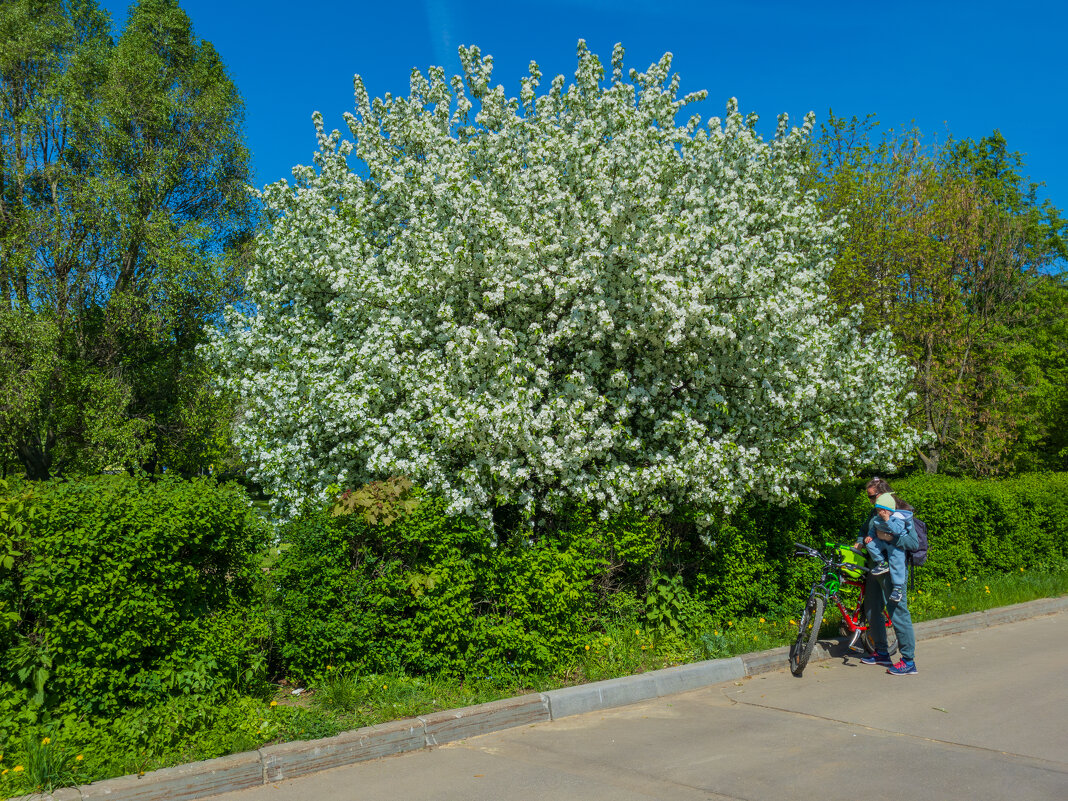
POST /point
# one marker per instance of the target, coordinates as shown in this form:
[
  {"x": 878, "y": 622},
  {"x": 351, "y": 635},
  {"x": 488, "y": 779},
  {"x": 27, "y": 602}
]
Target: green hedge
[
  {"x": 431, "y": 594},
  {"x": 989, "y": 526},
  {"x": 428, "y": 594},
  {"x": 129, "y": 590},
  {"x": 132, "y": 591}
]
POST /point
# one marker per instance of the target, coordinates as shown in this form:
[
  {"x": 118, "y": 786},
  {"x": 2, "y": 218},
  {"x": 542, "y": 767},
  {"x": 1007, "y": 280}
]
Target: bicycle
[{"x": 846, "y": 567}]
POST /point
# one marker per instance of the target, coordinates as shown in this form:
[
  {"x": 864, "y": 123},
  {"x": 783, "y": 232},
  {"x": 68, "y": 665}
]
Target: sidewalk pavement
[{"x": 985, "y": 718}]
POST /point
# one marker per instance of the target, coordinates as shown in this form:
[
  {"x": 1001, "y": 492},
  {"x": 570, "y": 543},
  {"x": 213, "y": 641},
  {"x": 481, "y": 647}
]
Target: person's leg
[
  {"x": 876, "y": 551},
  {"x": 899, "y": 569},
  {"x": 902, "y": 620},
  {"x": 874, "y": 603}
]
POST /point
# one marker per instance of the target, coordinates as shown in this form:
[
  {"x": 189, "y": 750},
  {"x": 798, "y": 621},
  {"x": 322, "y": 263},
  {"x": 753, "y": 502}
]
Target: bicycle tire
[
  {"x": 891, "y": 640},
  {"x": 808, "y": 631}
]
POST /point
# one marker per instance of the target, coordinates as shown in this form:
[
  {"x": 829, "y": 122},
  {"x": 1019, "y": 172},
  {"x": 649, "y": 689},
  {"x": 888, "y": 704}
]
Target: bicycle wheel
[
  {"x": 891, "y": 638},
  {"x": 808, "y": 631}
]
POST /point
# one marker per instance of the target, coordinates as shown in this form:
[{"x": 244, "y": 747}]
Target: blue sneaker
[
  {"x": 895, "y": 596},
  {"x": 905, "y": 667},
  {"x": 877, "y": 659},
  {"x": 880, "y": 568}
]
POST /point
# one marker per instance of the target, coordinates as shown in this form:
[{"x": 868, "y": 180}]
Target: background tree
[
  {"x": 948, "y": 249},
  {"x": 123, "y": 222},
  {"x": 564, "y": 296}
]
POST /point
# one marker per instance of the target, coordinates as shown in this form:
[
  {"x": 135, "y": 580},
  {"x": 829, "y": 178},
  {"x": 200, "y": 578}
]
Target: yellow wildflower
[
  {"x": 46, "y": 740},
  {"x": 274, "y": 703},
  {"x": 17, "y": 769},
  {"x": 3, "y": 772},
  {"x": 761, "y": 620},
  {"x": 587, "y": 647},
  {"x": 385, "y": 686},
  {"x": 79, "y": 758},
  {"x": 730, "y": 622},
  {"x": 329, "y": 667},
  {"x": 637, "y": 632}
]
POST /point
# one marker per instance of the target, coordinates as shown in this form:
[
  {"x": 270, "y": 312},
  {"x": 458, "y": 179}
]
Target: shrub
[
  {"x": 428, "y": 593},
  {"x": 989, "y": 526},
  {"x": 134, "y": 589}
]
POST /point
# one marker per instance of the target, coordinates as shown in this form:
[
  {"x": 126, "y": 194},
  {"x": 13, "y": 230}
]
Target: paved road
[{"x": 986, "y": 718}]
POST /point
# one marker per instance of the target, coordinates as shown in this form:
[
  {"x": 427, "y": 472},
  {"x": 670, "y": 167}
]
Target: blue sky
[{"x": 951, "y": 67}]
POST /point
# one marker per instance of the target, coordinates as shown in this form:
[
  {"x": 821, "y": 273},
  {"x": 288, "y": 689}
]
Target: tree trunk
[
  {"x": 35, "y": 459},
  {"x": 930, "y": 460}
]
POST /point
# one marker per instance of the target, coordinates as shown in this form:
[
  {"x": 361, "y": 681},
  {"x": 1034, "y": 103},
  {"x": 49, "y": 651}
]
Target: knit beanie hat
[{"x": 886, "y": 501}]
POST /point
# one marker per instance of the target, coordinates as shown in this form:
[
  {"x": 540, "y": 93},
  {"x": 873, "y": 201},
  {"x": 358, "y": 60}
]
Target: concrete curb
[{"x": 288, "y": 760}]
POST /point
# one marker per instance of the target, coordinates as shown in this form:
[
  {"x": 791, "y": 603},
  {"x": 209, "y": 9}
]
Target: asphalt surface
[{"x": 985, "y": 718}]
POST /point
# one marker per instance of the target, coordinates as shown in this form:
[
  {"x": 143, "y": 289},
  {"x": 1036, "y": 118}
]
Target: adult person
[{"x": 878, "y": 591}]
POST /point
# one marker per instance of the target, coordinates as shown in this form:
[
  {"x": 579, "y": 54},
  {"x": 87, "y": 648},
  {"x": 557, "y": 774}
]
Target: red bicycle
[{"x": 845, "y": 567}]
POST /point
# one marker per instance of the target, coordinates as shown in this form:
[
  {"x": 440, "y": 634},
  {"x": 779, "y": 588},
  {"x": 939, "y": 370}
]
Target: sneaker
[
  {"x": 895, "y": 596},
  {"x": 880, "y": 568},
  {"x": 903, "y": 668},
  {"x": 877, "y": 659}
]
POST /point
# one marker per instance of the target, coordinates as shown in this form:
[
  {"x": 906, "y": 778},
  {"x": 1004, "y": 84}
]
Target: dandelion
[
  {"x": 793, "y": 622},
  {"x": 587, "y": 647},
  {"x": 274, "y": 703},
  {"x": 329, "y": 667},
  {"x": 730, "y": 622},
  {"x": 79, "y": 758},
  {"x": 636, "y": 631},
  {"x": 643, "y": 647},
  {"x": 761, "y": 620},
  {"x": 46, "y": 740},
  {"x": 385, "y": 686},
  {"x": 3, "y": 772},
  {"x": 1021, "y": 570},
  {"x": 715, "y": 633},
  {"x": 952, "y": 607},
  {"x": 17, "y": 769}
]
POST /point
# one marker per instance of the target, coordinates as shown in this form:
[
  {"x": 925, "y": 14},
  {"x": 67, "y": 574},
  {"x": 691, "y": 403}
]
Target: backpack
[{"x": 919, "y": 555}]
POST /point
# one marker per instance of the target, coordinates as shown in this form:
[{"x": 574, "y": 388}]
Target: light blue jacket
[{"x": 900, "y": 528}]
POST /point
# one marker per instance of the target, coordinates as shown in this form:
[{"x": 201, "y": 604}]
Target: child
[{"x": 883, "y": 544}]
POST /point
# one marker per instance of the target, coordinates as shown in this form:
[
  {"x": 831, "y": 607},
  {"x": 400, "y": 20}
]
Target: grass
[
  {"x": 338, "y": 702},
  {"x": 976, "y": 593}
]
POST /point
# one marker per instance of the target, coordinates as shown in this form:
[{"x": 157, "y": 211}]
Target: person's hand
[{"x": 867, "y": 540}]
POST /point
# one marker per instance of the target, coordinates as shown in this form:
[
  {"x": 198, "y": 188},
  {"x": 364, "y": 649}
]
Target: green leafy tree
[
  {"x": 123, "y": 222},
  {"x": 948, "y": 249}
]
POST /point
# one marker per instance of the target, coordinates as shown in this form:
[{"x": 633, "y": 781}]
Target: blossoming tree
[{"x": 564, "y": 295}]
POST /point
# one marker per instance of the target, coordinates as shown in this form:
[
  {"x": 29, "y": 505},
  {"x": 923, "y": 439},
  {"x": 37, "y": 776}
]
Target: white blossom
[{"x": 565, "y": 295}]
